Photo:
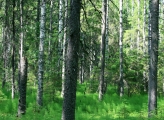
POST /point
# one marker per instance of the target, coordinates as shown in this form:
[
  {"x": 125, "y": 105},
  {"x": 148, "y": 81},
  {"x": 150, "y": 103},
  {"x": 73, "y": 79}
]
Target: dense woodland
[{"x": 82, "y": 59}]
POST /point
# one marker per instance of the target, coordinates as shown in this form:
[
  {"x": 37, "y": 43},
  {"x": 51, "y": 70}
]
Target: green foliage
[{"x": 87, "y": 107}]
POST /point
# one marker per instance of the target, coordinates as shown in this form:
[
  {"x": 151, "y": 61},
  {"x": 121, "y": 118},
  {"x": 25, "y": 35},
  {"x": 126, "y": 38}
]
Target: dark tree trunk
[
  {"x": 103, "y": 46},
  {"x": 71, "y": 71},
  {"x": 37, "y": 23},
  {"x": 153, "y": 62},
  {"x": 22, "y": 86},
  {"x": 5, "y": 44},
  {"x": 13, "y": 53}
]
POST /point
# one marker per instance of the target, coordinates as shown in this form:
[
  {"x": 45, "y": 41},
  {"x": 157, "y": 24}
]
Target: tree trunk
[
  {"x": 50, "y": 32},
  {"x": 138, "y": 31},
  {"x": 41, "y": 54},
  {"x": 13, "y": 53},
  {"x": 81, "y": 71},
  {"x": 107, "y": 29},
  {"x": 132, "y": 34},
  {"x": 121, "y": 83},
  {"x": 69, "y": 98},
  {"x": 37, "y": 23},
  {"x": 6, "y": 44},
  {"x": 64, "y": 45},
  {"x": 22, "y": 86},
  {"x": 60, "y": 26},
  {"x": 144, "y": 47},
  {"x": 153, "y": 62},
  {"x": 60, "y": 37},
  {"x": 22, "y": 81},
  {"x": 103, "y": 46}
]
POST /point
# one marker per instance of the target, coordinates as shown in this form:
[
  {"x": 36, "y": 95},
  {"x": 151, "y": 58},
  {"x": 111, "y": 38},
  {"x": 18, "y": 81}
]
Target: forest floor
[{"x": 88, "y": 107}]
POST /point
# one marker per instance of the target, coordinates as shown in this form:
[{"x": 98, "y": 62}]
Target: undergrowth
[{"x": 88, "y": 107}]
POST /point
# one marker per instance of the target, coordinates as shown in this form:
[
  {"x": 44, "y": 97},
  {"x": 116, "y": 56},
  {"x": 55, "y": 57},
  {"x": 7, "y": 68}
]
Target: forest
[{"x": 82, "y": 59}]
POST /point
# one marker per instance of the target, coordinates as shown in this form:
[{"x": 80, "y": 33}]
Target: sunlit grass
[{"x": 88, "y": 107}]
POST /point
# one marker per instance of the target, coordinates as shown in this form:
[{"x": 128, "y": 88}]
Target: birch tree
[
  {"x": 60, "y": 36},
  {"x": 121, "y": 83},
  {"x": 64, "y": 44},
  {"x": 22, "y": 69},
  {"x": 41, "y": 54},
  {"x": 138, "y": 26}
]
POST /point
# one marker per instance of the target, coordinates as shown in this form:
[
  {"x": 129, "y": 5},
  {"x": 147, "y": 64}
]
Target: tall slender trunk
[
  {"x": 107, "y": 28},
  {"x": 121, "y": 83},
  {"x": 60, "y": 36},
  {"x": 5, "y": 44},
  {"x": 144, "y": 46},
  {"x": 64, "y": 44},
  {"x": 91, "y": 59},
  {"x": 21, "y": 28},
  {"x": 103, "y": 46},
  {"x": 153, "y": 60},
  {"x": 13, "y": 53},
  {"x": 144, "y": 26},
  {"x": 49, "y": 67},
  {"x": 37, "y": 23},
  {"x": 22, "y": 81},
  {"x": 132, "y": 34},
  {"x": 41, "y": 54},
  {"x": 81, "y": 71},
  {"x": 22, "y": 86},
  {"x": 138, "y": 31},
  {"x": 50, "y": 30},
  {"x": 69, "y": 99},
  {"x": 161, "y": 12},
  {"x": 60, "y": 25}
]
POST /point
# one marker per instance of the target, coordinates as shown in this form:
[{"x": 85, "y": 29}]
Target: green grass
[{"x": 88, "y": 107}]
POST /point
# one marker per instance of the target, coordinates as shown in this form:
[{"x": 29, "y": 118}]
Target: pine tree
[
  {"x": 69, "y": 99},
  {"x": 153, "y": 54}
]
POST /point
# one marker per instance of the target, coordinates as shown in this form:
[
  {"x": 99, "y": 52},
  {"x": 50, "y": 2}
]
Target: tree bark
[
  {"x": 132, "y": 34},
  {"x": 153, "y": 60},
  {"x": 22, "y": 81},
  {"x": 6, "y": 44},
  {"x": 121, "y": 83},
  {"x": 103, "y": 46},
  {"x": 69, "y": 98},
  {"x": 145, "y": 77},
  {"x": 138, "y": 31},
  {"x": 41, "y": 54},
  {"x": 60, "y": 37},
  {"x": 37, "y": 23},
  {"x": 13, "y": 53},
  {"x": 22, "y": 86},
  {"x": 64, "y": 45}
]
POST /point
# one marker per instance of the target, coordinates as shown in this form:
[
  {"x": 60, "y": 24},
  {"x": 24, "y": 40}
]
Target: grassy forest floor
[{"x": 87, "y": 106}]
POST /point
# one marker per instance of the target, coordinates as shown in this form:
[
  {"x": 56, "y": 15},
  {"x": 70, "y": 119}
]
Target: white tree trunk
[
  {"x": 132, "y": 34},
  {"x": 121, "y": 84},
  {"x": 60, "y": 37},
  {"x": 64, "y": 45},
  {"x": 41, "y": 54},
  {"x": 138, "y": 32}
]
